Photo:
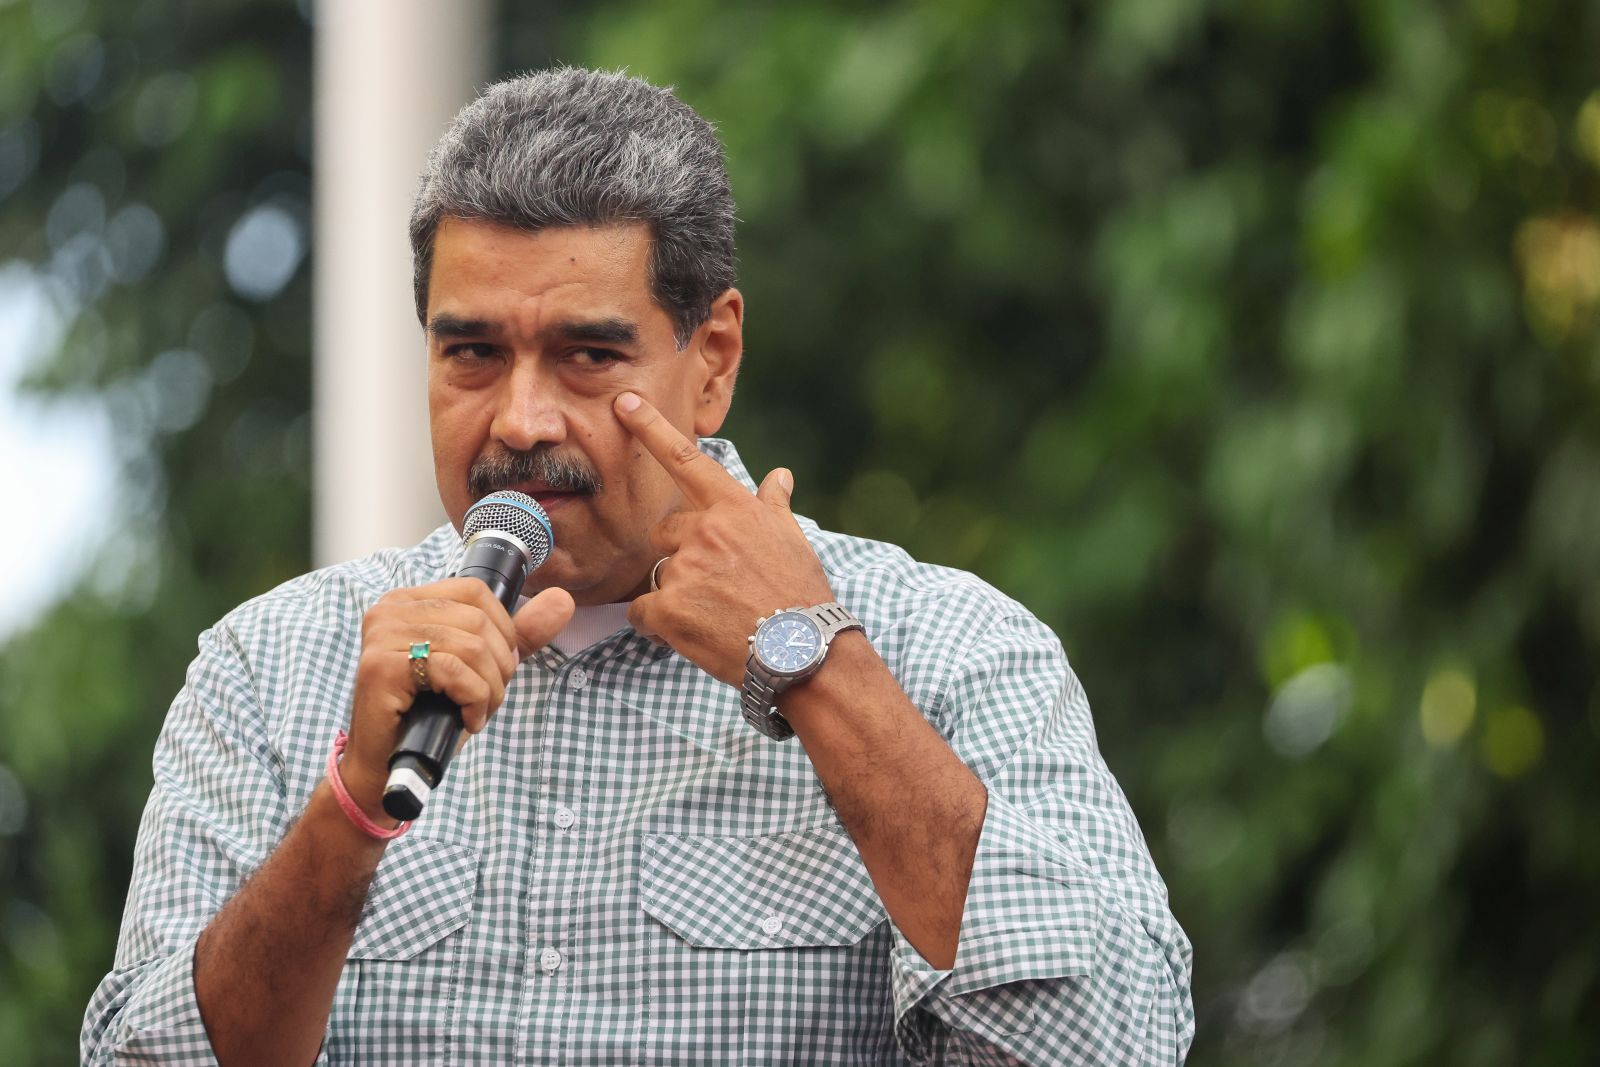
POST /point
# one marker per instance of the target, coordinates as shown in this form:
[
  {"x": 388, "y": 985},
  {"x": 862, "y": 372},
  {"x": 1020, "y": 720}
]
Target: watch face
[{"x": 788, "y": 642}]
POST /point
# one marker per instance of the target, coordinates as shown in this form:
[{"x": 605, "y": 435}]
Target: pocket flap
[
  {"x": 421, "y": 893},
  {"x": 794, "y": 890}
]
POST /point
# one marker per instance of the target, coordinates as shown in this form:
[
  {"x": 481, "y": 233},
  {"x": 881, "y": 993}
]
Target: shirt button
[
  {"x": 578, "y": 678},
  {"x": 771, "y": 925},
  {"x": 565, "y": 817},
  {"x": 550, "y": 960}
]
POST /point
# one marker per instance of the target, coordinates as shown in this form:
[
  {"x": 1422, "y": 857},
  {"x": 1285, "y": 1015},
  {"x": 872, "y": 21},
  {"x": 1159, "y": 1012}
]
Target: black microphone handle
[
  {"x": 433, "y": 725},
  {"x": 432, "y": 730}
]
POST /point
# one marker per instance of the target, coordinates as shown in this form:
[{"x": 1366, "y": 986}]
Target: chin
[{"x": 559, "y": 571}]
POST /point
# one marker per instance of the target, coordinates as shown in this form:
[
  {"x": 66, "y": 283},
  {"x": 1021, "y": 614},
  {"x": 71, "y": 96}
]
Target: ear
[{"x": 719, "y": 345}]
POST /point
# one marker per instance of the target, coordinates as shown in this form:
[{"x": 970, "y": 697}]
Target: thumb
[
  {"x": 541, "y": 618},
  {"x": 776, "y": 488}
]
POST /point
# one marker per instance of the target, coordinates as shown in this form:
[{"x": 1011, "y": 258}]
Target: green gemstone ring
[{"x": 419, "y": 664}]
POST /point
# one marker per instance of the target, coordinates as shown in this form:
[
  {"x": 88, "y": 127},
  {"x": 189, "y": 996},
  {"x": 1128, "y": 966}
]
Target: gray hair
[{"x": 572, "y": 147}]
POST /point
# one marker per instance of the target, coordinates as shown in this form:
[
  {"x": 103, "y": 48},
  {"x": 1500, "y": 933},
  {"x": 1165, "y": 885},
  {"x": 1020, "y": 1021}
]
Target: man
[{"x": 618, "y": 868}]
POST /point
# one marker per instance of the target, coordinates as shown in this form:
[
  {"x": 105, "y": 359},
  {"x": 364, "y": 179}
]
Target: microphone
[{"x": 508, "y": 536}]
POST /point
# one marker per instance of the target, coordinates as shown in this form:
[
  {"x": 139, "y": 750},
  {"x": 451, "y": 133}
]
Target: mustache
[{"x": 506, "y": 469}]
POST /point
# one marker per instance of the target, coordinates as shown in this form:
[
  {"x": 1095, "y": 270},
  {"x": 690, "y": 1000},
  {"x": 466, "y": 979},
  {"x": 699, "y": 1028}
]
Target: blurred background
[{"x": 1253, "y": 345}]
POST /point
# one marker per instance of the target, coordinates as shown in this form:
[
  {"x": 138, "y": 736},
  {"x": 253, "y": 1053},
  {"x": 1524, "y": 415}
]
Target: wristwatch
[{"x": 787, "y": 647}]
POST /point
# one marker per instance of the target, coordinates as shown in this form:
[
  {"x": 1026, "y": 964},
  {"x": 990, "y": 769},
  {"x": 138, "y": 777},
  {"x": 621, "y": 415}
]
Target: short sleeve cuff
[
  {"x": 1032, "y": 912},
  {"x": 161, "y": 1022}
]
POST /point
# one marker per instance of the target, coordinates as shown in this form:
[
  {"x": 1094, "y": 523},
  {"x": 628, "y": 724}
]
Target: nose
[{"x": 528, "y": 411}]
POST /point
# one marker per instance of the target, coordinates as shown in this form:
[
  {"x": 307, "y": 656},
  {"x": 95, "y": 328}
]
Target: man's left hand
[{"x": 733, "y": 556}]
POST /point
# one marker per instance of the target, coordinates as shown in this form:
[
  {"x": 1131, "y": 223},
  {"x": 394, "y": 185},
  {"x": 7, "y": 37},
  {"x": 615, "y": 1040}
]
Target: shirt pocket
[
  {"x": 402, "y": 977},
  {"x": 779, "y": 941}
]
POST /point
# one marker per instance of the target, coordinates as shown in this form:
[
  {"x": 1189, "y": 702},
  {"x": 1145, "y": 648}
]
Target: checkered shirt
[{"x": 620, "y": 871}]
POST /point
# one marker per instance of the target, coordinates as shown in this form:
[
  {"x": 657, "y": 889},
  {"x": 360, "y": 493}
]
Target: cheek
[
  {"x": 654, "y": 492},
  {"x": 639, "y": 492},
  {"x": 452, "y": 422},
  {"x": 459, "y": 424},
  {"x": 624, "y": 463}
]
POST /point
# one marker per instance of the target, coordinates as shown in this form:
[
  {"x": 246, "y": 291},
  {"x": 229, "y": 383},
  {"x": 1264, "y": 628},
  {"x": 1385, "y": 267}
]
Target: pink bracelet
[{"x": 351, "y": 809}]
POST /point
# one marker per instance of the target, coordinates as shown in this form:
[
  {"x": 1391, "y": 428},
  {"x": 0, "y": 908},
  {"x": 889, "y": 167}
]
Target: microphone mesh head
[{"x": 517, "y": 514}]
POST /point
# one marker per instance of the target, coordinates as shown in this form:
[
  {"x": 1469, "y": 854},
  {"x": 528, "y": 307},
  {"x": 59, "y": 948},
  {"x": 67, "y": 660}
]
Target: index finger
[{"x": 701, "y": 478}]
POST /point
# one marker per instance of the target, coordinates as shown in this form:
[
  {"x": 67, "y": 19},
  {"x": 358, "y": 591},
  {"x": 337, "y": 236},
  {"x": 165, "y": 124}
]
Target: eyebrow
[
  {"x": 608, "y": 331},
  {"x": 454, "y": 326},
  {"x": 611, "y": 330}
]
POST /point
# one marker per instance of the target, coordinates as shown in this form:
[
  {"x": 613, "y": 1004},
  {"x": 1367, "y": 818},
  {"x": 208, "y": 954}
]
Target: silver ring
[{"x": 655, "y": 573}]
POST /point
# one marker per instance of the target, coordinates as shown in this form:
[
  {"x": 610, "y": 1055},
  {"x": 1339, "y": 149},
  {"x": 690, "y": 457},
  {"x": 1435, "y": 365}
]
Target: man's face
[{"x": 531, "y": 336}]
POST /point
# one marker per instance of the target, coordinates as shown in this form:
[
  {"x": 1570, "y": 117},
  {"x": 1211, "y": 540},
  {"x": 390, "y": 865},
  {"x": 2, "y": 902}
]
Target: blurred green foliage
[
  {"x": 1252, "y": 345},
  {"x": 143, "y": 146}
]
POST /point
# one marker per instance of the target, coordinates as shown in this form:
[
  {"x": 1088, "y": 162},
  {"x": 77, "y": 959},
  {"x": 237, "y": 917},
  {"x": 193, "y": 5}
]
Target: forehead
[{"x": 516, "y": 278}]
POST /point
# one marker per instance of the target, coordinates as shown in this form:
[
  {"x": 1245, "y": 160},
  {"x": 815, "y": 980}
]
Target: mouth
[{"x": 551, "y": 500}]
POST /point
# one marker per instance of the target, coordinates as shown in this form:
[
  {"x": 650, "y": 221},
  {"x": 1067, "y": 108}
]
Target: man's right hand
[{"x": 474, "y": 649}]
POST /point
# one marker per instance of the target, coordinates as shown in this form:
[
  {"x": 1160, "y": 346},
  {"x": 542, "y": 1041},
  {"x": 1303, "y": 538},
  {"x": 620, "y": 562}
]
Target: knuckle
[
  {"x": 377, "y": 614},
  {"x": 489, "y": 629},
  {"x": 368, "y": 669},
  {"x": 683, "y": 453},
  {"x": 715, "y": 532}
]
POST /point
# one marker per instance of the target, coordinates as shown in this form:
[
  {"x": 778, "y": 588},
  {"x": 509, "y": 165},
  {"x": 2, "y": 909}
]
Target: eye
[
  {"x": 596, "y": 357},
  {"x": 473, "y": 352}
]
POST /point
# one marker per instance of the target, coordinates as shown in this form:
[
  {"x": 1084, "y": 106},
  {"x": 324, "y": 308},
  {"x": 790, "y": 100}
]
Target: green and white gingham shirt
[{"x": 620, "y": 871}]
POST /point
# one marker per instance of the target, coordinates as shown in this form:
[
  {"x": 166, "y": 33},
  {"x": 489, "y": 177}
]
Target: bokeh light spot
[
  {"x": 1344, "y": 950},
  {"x": 264, "y": 248},
  {"x": 1560, "y": 261},
  {"x": 176, "y": 387},
  {"x": 1306, "y": 710},
  {"x": 164, "y": 108},
  {"x": 1513, "y": 741},
  {"x": 1277, "y": 995},
  {"x": 136, "y": 239},
  {"x": 1449, "y": 702},
  {"x": 78, "y": 210},
  {"x": 1587, "y": 129}
]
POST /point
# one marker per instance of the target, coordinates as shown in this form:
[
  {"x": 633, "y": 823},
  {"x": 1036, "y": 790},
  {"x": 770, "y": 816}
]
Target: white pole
[{"x": 389, "y": 74}]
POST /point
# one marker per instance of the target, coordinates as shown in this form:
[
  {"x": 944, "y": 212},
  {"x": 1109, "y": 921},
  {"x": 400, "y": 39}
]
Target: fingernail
[
  {"x": 786, "y": 480},
  {"x": 628, "y": 402}
]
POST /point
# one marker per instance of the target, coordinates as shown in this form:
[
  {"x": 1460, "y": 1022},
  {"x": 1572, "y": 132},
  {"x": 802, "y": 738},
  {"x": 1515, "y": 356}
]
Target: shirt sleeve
[
  {"x": 216, "y": 811},
  {"x": 1068, "y": 951}
]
